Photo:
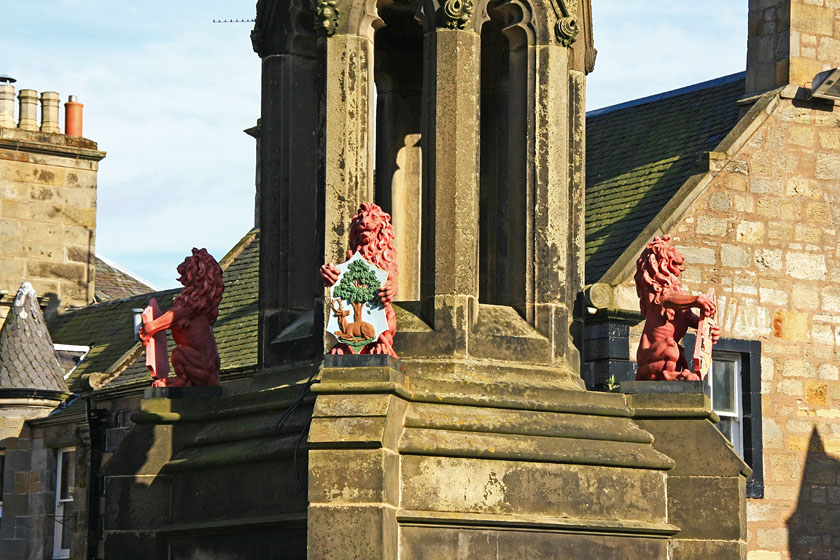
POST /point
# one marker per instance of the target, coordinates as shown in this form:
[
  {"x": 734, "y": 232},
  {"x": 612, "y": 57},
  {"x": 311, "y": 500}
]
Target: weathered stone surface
[
  {"x": 419, "y": 543},
  {"x": 510, "y": 487}
]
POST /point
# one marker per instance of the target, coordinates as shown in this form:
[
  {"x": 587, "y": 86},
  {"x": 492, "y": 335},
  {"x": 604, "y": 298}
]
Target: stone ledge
[
  {"x": 184, "y": 392},
  {"x": 363, "y": 360},
  {"x": 663, "y": 387}
]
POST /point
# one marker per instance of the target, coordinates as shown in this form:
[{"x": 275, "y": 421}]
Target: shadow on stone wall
[{"x": 814, "y": 528}]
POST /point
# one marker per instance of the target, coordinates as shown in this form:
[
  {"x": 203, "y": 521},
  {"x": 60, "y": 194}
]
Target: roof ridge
[
  {"x": 127, "y": 272},
  {"x": 243, "y": 243},
  {"x": 668, "y": 94}
]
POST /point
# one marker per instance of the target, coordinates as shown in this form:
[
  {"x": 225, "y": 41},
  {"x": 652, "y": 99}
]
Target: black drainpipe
[{"x": 92, "y": 417}]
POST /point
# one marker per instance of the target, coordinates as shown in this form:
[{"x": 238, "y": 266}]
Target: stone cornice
[{"x": 50, "y": 148}]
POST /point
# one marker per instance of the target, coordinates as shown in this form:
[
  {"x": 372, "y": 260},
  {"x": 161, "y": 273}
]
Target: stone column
[
  {"x": 556, "y": 274},
  {"x": 50, "y": 102},
  {"x": 288, "y": 195},
  {"x": 28, "y": 109},
  {"x": 449, "y": 287},
  {"x": 7, "y": 106},
  {"x": 407, "y": 216},
  {"x": 345, "y": 157}
]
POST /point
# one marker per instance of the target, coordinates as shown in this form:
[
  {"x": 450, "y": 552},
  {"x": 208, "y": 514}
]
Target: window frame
[
  {"x": 738, "y": 415},
  {"x": 750, "y": 391},
  {"x": 61, "y": 504}
]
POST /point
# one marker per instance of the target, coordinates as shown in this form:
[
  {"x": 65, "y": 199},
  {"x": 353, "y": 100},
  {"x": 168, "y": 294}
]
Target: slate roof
[
  {"x": 27, "y": 358},
  {"x": 114, "y": 282},
  {"x": 638, "y": 155},
  {"x": 108, "y": 327}
]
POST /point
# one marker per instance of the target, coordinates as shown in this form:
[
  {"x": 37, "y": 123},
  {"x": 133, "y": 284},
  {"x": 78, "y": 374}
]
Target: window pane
[
  {"x": 2, "y": 470},
  {"x": 723, "y": 386},
  {"x": 67, "y": 474}
]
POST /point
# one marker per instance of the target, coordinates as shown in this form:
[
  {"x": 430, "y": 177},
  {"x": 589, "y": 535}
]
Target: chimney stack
[
  {"x": 789, "y": 42},
  {"x": 73, "y": 116},
  {"x": 7, "y": 101}
]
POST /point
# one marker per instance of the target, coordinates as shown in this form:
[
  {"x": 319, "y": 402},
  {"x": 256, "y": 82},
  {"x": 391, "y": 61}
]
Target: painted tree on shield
[{"x": 358, "y": 285}]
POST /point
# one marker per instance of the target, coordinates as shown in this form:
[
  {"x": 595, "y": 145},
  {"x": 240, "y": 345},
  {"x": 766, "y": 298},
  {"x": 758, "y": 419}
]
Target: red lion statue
[
  {"x": 195, "y": 359},
  {"x": 372, "y": 235},
  {"x": 668, "y": 314}
]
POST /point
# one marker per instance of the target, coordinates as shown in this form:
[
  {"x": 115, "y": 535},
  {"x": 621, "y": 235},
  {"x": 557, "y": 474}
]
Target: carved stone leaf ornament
[
  {"x": 566, "y": 29},
  {"x": 457, "y": 13},
  {"x": 326, "y": 17}
]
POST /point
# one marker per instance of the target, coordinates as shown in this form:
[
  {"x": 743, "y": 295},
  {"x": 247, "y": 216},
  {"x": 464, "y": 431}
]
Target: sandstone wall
[
  {"x": 764, "y": 235},
  {"x": 47, "y": 215}
]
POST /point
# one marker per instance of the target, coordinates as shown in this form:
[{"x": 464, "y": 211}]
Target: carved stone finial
[
  {"x": 326, "y": 17},
  {"x": 566, "y": 31},
  {"x": 457, "y": 13}
]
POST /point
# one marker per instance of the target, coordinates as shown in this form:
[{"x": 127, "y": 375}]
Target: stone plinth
[
  {"x": 707, "y": 486},
  {"x": 399, "y": 472},
  {"x": 210, "y": 478}
]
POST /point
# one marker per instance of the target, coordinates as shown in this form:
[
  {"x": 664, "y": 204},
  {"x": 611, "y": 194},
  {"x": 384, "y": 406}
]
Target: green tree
[{"x": 358, "y": 285}]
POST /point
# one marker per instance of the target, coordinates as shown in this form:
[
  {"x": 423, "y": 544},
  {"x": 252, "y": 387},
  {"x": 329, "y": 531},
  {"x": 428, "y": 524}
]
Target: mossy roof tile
[{"x": 638, "y": 155}]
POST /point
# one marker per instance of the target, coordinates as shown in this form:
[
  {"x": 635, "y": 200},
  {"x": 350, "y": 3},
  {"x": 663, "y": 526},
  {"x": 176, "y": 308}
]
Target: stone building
[
  {"x": 47, "y": 234},
  {"x": 742, "y": 172},
  {"x": 481, "y": 441},
  {"x": 47, "y": 201}
]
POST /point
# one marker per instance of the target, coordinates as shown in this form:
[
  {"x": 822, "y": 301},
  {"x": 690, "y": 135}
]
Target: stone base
[
  {"x": 363, "y": 360},
  {"x": 184, "y": 392}
]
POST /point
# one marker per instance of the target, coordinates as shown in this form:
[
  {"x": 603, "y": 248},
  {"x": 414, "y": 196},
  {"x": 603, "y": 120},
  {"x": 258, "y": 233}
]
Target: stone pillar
[
  {"x": 354, "y": 448},
  {"x": 50, "y": 102},
  {"x": 28, "y": 109},
  {"x": 449, "y": 287},
  {"x": 288, "y": 194},
  {"x": 556, "y": 272},
  {"x": 345, "y": 157},
  {"x": 7, "y": 106},
  {"x": 407, "y": 215}
]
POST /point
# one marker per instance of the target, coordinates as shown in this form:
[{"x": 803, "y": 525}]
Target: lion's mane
[
  {"x": 381, "y": 252},
  {"x": 654, "y": 277},
  {"x": 201, "y": 276}
]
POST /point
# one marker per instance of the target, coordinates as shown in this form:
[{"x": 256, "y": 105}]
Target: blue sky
[{"x": 167, "y": 94}]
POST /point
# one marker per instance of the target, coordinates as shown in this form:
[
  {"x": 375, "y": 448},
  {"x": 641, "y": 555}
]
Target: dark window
[{"x": 735, "y": 389}]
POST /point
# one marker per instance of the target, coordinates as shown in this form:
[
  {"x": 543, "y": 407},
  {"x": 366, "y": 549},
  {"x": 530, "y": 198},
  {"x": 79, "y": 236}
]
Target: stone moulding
[{"x": 326, "y": 17}]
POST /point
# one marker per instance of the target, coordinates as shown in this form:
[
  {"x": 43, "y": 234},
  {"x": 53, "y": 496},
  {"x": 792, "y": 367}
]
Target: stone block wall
[
  {"x": 764, "y": 234},
  {"x": 47, "y": 214},
  {"x": 790, "y": 41}
]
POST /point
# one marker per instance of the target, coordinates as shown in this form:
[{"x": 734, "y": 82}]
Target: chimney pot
[
  {"x": 7, "y": 105},
  {"x": 50, "y": 102},
  {"x": 73, "y": 116},
  {"x": 28, "y": 112}
]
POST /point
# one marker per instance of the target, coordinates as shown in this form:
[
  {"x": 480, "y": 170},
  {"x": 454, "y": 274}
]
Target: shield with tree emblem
[{"x": 357, "y": 316}]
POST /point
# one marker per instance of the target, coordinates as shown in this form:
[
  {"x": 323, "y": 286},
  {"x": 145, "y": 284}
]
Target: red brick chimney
[{"x": 790, "y": 41}]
